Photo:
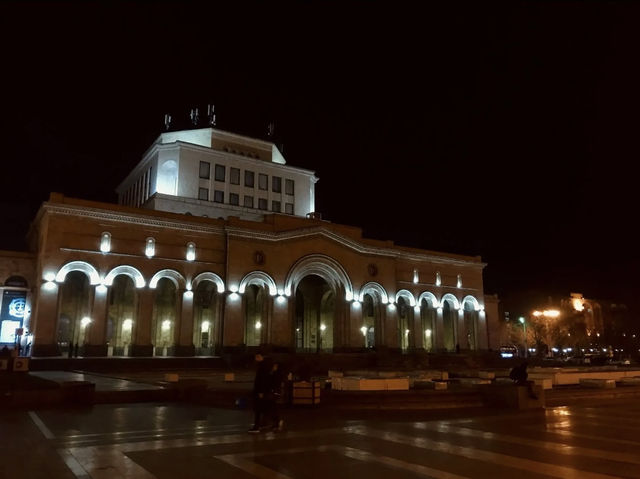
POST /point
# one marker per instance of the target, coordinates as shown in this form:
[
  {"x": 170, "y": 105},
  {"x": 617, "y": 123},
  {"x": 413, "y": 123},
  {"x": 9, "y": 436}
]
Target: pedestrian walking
[
  {"x": 274, "y": 396},
  {"x": 261, "y": 387}
]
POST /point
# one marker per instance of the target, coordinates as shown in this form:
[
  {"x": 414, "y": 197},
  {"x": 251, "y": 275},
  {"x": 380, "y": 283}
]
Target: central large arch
[{"x": 321, "y": 288}]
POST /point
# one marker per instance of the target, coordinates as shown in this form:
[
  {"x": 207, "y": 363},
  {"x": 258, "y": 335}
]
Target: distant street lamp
[{"x": 524, "y": 326}]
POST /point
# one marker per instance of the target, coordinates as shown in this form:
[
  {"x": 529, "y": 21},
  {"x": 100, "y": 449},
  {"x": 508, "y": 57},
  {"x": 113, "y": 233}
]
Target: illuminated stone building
[{"x": 215, "y": 247}]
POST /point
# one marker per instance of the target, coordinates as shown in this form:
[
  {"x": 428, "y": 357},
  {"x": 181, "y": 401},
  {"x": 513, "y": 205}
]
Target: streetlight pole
[{"x": 524, "y": 327}]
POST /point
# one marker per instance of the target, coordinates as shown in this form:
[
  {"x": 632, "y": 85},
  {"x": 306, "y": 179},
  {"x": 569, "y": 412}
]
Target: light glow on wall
[
  {"x": 105, "y": 242},
  {"x": 84, "y": 322},
  {"x": 363, "y": 330},
  {"x": 49, "y": 286},
  {"x": 50, "y": 276},
  {"x": 281, "y": 298},
  {"x": 191, "y": 251},
  {"x": 150, "y": 248},
  {"x": 204, "y": 327},
  {"x": 166, "y": 325},
  {"x": 459, "y": 281},
  {"x": 323, "y": 327},
  {"x": 127, "y": 324},
  {"x": 416, "y": 278},
  {"x": 438, "y": 279},
  {"x": 101, "y": 288},
  {"x": 427, "y": 333},
  {"x": 258, "y": 325}
]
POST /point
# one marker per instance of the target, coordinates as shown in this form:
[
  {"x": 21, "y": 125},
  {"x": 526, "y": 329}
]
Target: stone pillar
[
  {"x": 142, "y": 345},
  {"x": 482, "y": 341},
  {"x": 96, "y": 344},
  {"x": 461, "y": 331},
  {"x": 356, "y": 338},
  {"x": 418, "y": 333},
  {"x": 281, "y": 322},
  {"x": 391, "y": 340},
  {"x": 184, "y": 344},
  {"x": 44, "y": 321},
  {"x": 233, "y": 332},
  {"x": 439, "y": 339}
]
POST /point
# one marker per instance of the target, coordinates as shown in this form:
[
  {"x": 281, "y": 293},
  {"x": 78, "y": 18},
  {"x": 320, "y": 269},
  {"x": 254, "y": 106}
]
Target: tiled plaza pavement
[{"x": 179, "y": 441}]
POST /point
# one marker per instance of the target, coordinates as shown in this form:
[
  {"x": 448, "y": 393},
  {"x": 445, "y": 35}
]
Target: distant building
[{"x": 215, "y": 247}]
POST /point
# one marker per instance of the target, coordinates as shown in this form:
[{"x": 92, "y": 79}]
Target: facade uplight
[
  {"x": 105, "y": 242},
  {"x": 191, "y": 251},
  {"x": 150, "y": 248}
]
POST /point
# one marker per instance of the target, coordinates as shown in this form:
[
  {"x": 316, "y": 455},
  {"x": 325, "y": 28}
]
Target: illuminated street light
[{"x": 524, "y": 327}]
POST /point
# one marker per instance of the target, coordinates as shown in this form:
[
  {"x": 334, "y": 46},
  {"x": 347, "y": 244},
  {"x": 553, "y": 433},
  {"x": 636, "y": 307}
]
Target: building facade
[{"x": 186, "y": 264}]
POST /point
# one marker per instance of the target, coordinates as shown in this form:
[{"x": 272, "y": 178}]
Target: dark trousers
[{"x": 259, "y": 410}]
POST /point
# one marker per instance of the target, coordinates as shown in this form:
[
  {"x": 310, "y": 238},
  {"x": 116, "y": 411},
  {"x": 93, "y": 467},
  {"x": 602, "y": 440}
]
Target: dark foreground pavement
[{"x": 186, "y": 441}]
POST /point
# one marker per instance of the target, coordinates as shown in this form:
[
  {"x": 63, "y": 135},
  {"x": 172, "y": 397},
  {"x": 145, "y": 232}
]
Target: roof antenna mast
[
  {"x": 167, "y": 121},
  {"x": 195, "y": 116},
  {"x": 211, "y": 114}
]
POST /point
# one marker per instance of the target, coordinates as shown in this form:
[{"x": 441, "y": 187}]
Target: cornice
[
  {"x": 88, "y": 212},
  {"x": 348, "y": 242}
]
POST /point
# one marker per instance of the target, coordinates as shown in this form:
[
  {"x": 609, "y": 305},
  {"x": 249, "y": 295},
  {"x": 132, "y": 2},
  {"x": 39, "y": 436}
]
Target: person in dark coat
[
  {"x": 261, "y": 389},
  {"x": 519, "y": 375},
  {"x": 273, "y": 397}
]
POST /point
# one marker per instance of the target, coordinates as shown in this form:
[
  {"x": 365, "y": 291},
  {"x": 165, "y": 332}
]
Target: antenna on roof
[
  {"x": 195, "y": 116},
  {"x": 211, "y": 114},
  {"x": 167, "y": 121},
  {"x": 271, "y": 128}
]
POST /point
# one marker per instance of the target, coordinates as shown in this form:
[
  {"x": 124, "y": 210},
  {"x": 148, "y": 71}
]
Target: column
[
  {"x": 96, "y": 344},
  {"x": 44, "y": 320},
  {"x": 439, "y": 339},
  {"x": 233, "y": 332},
  {"x": 281, "y": 323},
  {"x": 418, "y": 333},
  {"x": 142, "y": 345},
  {"x": 356, "y": 338},
  {"x": 184, "y": 344},
  {"x": 391, "y": 340},
  {"x": 461, "y": 331}
]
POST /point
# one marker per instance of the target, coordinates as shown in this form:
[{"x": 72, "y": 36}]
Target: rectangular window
[
  {"x": 276, "y": 184},
  {"x": 248, "y": 178},
  {"x": 263, "y": 181},
  {"x": 220, "y": 172},
  {"x": 275, "y": 206},
  {"x": 288, "y": 187},
  {"x": 248, "y": 201},
  {"x": 205, "y": 169},
  {"x": 218, "y": 196},
  {"x": 288, "y": 208},
  {"x": 203, "y": 194},
  {"x": 234, "y": 199},
  {"x": 234, "y": 176},
  {"x": 262, "y": 203}
]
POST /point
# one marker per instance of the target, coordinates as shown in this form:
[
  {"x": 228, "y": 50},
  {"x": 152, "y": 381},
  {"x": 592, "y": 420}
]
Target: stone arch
[
  {"x": 130, "y": 271},
  {"x": 404, "y": 293},
  {"x": 374, "y": 288},
  {"x": 177, "y": 279},
  {"x": 470, "y": 309},
  {"x": 259, "y": 278},
  {"x": 209, "y": 276},
  {"x": 83, "y": 266},
  {"x": 472, "y": 300},
  {"x": 429, "y": 296},
  {"x": 452, "y": 298},
  {"x": 323, "y": 266},
  {"x": 372, "y": 312}
]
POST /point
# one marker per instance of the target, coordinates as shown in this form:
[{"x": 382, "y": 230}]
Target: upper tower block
[{"x": 210, "y": 172}]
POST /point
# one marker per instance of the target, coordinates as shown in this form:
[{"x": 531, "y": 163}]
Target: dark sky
[{"x": 502, "y": 129}]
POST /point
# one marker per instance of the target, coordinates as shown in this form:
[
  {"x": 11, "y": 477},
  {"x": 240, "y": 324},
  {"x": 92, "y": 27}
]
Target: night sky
[{"x": 502, "y": 129}]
